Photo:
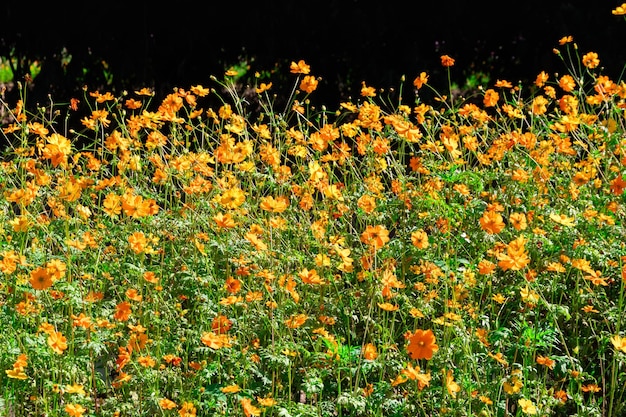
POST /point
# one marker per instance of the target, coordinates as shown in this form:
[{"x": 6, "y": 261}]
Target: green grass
[{"x": 460, "y": 257}]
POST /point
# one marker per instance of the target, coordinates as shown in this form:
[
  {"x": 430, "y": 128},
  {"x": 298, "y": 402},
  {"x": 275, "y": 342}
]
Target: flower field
[{"x": 460, "y": 256}]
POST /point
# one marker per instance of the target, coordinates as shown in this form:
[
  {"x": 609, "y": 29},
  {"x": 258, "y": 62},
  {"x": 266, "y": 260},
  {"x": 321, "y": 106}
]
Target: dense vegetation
[{"x": 245, "y": 251}]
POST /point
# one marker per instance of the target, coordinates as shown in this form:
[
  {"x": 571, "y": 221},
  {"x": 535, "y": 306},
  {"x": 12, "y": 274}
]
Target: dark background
[{"x": 143, "y": 44}]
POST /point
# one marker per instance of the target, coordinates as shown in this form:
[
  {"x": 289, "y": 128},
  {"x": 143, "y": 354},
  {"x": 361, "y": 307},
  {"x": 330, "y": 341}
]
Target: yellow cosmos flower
[
  {"x": 75, "y": 410},
  {"x": 527, "y": 406},
  {"x": 619, "y": 10},
  {"x": 619, "y": 342},
  {"x": 562, "y": 219}
]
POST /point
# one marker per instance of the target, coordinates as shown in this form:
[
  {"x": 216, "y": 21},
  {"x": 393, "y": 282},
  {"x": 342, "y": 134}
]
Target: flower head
[
  {"x": 308, "y": 84},
  {"x": 299, "y": 67},
  {"x": 422, "y": 344},
  {"x": 375, "y": 236},
  {"x": 451, "y": 384},
  {"x": 420, "y": 80},
  {"x": 447, "y": 61},
  {"x": 249, "y": 409},
  {"x": 619, "y": 10},
  {"x": 75, "y": 410},
  {"x": 491, "y": 222},
  {"x": 590, "y": 60},
  {"x": 619, "y": 343},
  {"x": 527, "y": 406},
  {"x": 40, "y": 279},
  {"x": 57, "y": 342}
]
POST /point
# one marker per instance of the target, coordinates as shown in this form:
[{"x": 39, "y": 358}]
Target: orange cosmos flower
[
  {"x": 256, "y": 241},
  {"x": 539, "y": 105},
  {"x": 414, "y": 374},
  {"x": 137, "y": 206},
  {"x": 57, "y": 342},
  {"x": 138, "y": 242},
  {"x": 367, "y": 203},
  {"x": 375, "y": 236},
  {"x": 57, "y": 150},
  {"x": 420, "y": 80},
  {"x": 299, "y": 67},
  {"x": 566, "y": 39},
  {"x": 10, "y": 261},
  {"x": 231, "y": 389},
  {"x": 543, "y": 360},
  {"x": 221, "y": 324},
  {"x": 451, "y": 384},
  {"x": 133, "y": 295},
  {"x": 514, "y": 384},
  {"x": 200, "y": 91},
  {"x": 310, "y": 277},
  {"x": 567, "y": 83},
  {"x": 122, "y": 311},
  {"x": 21, "y": 361},
  {"x": 112, "y": 205},
  {"x": 296, "y": 321},
  {"x": 56, "y": 268},
  {"x": 590, "y": 60},
  {"x": 75, "y": 410},
  {"x": 132, "y": 104},
  {"x": 224, "y": 221},
  {"x": 419, "y": 238},
  {"x": 274, "y": 205},
  {"x": 18, "y": 368},
  {"x": 232, "y": 198},
  {"x": 187, "y": 409},
  {"x": 518, "y": 220},
  {"x": 266, "y": 402},
  {"x": 146, "y": 361},
  {"x": 589, "y": 309},
  {"x": 369, "y": 352},
  {"x": 308, "y": 84},
  {"x": 516, "y": 256},
  {"x": 82, "y": 320},
  {"x": 504, "y": 84},
  {"x": 388, "y": 306},
  {"x": 263, "y": 88},
  {"x": 367, "y": 91},
  {"x": 447, "y": 61},
  {"x": 560, "y": 395},
  {"x": 491, "y": 222},
  {"x": 422, "y": 344},
  {"x": 618, "y": 185},
  {"x": 591, "y": 388},
  {"x": 248, "y": 409},
  {"x": 40, "y": 279},
  {"x": 499, "y": 357},
  {"x": 215, "y": 341},
  {"x": 150, "y": 277},
  {"x": 232, "y": 285},
  {"x": 74, "y": 103},
  {"x": 167, "y": 404},
  {"x": 491, "y": 98},
  {"x": 541, "y": 79}
]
